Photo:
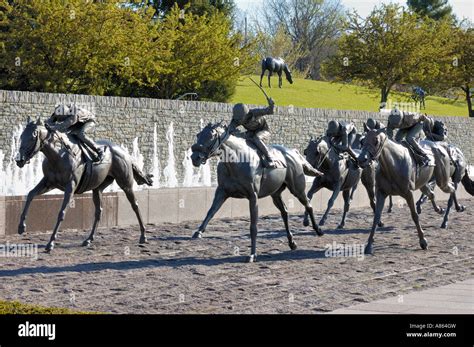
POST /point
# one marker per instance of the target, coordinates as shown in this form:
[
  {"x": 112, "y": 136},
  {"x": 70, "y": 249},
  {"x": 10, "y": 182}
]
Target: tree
[
  {"x": 461, "y": 73},
  {"x": 434, "y": 9},
  {"x": 312, "y": 25},
  {"x": 80, "y": 47},
  {"x": 104, "y": 49},
  {"x": 198, "y": 7},
  {"x": 391, "y": 46},
  {"x": 205, "y": 57}
]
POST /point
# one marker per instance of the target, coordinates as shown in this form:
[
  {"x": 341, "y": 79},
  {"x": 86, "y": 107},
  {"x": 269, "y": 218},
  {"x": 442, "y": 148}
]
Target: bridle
[
  {"x": 215, "y": 145},
  {"x": 379, "y": 150}
]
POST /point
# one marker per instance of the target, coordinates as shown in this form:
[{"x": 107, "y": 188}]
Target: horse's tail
[
  {"x": 140, "y": 177},
  {"x": 468, "y": 183},
  {"x": 308, "y": 169}
]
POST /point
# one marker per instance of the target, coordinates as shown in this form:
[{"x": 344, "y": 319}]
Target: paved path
[
  {"x": 455, "y": 298},
  {"x": 175, "y": 274}
]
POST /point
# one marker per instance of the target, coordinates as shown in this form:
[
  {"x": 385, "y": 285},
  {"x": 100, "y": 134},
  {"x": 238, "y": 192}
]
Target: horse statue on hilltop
[
  {"x": 277, "y": 65},
  {"x": 67, "y": 167}
]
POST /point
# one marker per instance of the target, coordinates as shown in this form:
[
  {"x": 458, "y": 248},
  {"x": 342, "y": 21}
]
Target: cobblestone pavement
[{"x": 175, "y": 274}]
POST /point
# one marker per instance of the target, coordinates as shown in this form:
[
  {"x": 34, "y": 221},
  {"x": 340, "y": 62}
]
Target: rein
[{"x": 321, "y": 161}]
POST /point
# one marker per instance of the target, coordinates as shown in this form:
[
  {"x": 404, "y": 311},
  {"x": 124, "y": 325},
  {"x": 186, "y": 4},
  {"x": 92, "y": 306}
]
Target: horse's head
[
  {"x": 317, "y": 149},
  {"x": 30, "y": 141},
  {"x": 288, "y": 74},
  {"x": 372, "y": 146},
  {"x": 208, "y": 142}
]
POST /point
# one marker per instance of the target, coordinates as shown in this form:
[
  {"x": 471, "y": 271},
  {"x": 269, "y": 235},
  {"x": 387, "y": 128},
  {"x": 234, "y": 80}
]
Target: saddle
[
  {"x": 88, "y": 173},
  {"x": 277, "y": 158}
]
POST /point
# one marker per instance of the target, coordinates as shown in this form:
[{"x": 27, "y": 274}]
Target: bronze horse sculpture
[
  {"x": 458, "y": 174},
  {"x": 241, "y": 174},
  {"x": 399, "y": 174},
  {"x": 277, "y": 65},
  {"x": 66, "y": 168},
  {"x": 340, "y": 175}
]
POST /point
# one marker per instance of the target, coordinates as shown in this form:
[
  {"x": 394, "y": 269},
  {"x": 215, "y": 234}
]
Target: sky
[{"x": 461, "y": 8}]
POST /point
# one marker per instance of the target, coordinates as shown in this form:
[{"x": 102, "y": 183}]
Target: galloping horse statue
[
  {"x": 399, "y": 174},
  {"x": 339, "y": 175},
  {"x": 67, "y": 169},
  {"x": 277, "y": 65},
  {"x": 458, "y": 174},
  {"x": 240, "y": 174}
]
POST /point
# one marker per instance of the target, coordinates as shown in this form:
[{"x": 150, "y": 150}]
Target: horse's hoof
[
  {"x": 252, "y": 258},
  {"x": 292, "y": 245},
  {"x": 305, "y": 222},
  {"x": 424, "y": 244},
  {"x": 368, "y": 249},
  {"x": 441, "y": 210},
  {"x": 49, "y": 247},
  {"x": 86, "y": 243},
  {"x": 380, "y": 224},
  {"x": 21, "y": 229},
  {"x": 197, "y": 235},
  {"x": 461, "y": 208},
  {"x": 142, "y": 240},
  {"x": 340, "y": 226},
  {"x": 319, "y": 232},
  {"x": 321, "y": 222},
  {"x": 390, "y": 210},
  {"x": 444, "y": 225}
]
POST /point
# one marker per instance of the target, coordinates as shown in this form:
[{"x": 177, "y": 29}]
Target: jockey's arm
[
  {"x": 259, "y": 112},
  {"x": 343, "y": 144},
  {"x": 65, "y": 124},
  {"x": 233, "y": 126}
]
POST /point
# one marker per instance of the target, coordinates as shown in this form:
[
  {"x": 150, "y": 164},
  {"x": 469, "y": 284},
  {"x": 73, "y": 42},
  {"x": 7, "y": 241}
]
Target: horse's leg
[
  {"x": 298, "y": 192},
  {"x": 379, "y": 203},
  {"x": 347, "y": 202},
  {"x": 331, "y": 201},
  {"x": 353, "y": 191},
  {"x": 414, "y": 216},
  {"x": 420, "y": 202},
  {"x": 253, "y": 205},
  {"x": 431, "y": 184},
  {"x": 459, "y": 208},
  {"x": 96, "y": 198},
  {"x": 133, "y": 202},
  {"x": 368, "y": 180},
  {"x": 390, "y": 204},
  {"x": 41, "y": 188},
  {"x": 219, "y": 198},
  {"x": 269, "y": 76},
  {"x": 444, "y": 225},
  {"x": 280, "y": 82},
  {"x": 315, "y": 187},
  {"x": 261, "y": 76},
  {"x": 426, "y": 189},
  {"x": 68, "y": 194},
  {"x": 277, "y": 200}
]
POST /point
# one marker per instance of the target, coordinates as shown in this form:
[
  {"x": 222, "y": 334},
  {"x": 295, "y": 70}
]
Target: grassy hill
[{"x": 318, "y": 94}]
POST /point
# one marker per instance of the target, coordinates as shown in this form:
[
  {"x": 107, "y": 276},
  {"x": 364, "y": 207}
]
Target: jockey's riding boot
[
  {"x": 100, "y": 155},
  {"x": 91, "y": 144},
  {"x": 264, "y": 149}
]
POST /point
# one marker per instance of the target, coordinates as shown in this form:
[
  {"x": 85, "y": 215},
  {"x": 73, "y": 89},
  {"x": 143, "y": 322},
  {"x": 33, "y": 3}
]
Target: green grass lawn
[
  {"x": 318, "y": 94},
  {"x": 15, "y": 307}
]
